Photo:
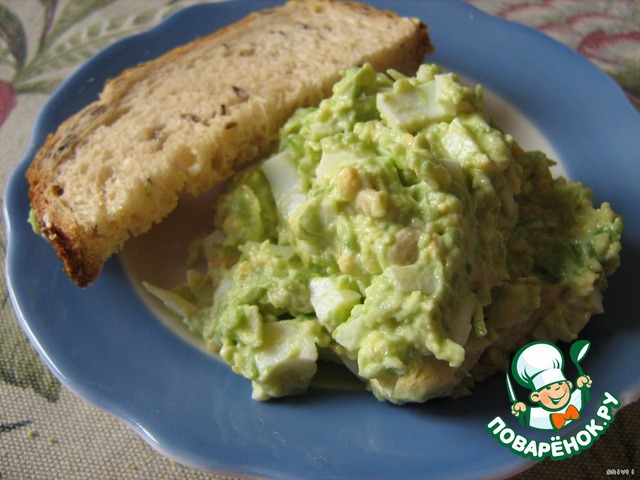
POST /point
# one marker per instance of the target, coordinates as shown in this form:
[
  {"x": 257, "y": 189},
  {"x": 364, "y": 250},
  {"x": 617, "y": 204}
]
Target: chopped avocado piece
[{"x": 33, "y": 221}]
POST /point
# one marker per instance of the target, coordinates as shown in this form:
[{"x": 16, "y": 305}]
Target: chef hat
[{"x": 537, "y": 365}]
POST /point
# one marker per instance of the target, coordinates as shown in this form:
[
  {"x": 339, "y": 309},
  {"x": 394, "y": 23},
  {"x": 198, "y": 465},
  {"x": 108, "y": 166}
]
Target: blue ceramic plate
[{"x": 106, "y": 345}]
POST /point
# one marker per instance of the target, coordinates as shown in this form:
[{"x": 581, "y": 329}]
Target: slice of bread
[{"x": 191, "y": 118}]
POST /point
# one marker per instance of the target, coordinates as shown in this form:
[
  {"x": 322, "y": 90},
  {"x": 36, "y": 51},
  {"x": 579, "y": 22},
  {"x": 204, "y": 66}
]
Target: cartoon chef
[{"x": 538, "y": 367}]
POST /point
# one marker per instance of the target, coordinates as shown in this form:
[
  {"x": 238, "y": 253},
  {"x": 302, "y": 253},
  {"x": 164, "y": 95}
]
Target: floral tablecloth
[{"x": 46, "y": 432}]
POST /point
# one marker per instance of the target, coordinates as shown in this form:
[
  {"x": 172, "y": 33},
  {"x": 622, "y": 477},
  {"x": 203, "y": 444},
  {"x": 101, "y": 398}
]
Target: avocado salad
[{"x": 399, "y": 232}]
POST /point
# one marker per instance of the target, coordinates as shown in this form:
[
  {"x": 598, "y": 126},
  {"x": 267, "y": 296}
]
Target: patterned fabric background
[
  {"x": 48, "y": 432},
  {"x": 607, "y": 32}
]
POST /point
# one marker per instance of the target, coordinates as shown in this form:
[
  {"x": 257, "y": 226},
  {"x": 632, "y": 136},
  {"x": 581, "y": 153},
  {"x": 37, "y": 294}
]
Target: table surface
[{"x": 48, "y": 432}]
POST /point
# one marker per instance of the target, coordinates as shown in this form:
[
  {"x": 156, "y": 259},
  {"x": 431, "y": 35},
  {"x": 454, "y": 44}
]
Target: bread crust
[{"x": 83, "y": 246}]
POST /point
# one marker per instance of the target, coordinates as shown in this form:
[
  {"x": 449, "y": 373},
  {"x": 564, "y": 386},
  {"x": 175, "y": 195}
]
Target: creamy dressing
[
  {"x": 399, "y": 224},
  {"x": 160, "y": 256}
]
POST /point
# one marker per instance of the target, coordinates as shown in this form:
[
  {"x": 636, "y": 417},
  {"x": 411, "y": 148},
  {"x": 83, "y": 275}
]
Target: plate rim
[{"x": 39, "y": 131}]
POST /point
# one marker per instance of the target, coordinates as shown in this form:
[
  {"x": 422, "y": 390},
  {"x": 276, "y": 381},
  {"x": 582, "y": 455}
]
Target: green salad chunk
[{"x": 398, "y": 231}]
